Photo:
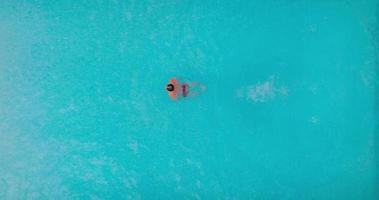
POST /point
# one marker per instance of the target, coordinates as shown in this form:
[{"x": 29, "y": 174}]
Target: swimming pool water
[{"x": 290, "y": 110}]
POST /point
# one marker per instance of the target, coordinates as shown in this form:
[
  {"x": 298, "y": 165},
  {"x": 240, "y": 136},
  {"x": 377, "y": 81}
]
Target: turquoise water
[{"x": 290, "y": 110}]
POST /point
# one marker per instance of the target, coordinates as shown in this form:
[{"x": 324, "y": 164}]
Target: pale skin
[{"x": 195, "y": 88}]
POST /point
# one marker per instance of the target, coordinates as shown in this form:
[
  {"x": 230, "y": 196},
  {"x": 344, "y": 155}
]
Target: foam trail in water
[{"x": 262, "y": 91}]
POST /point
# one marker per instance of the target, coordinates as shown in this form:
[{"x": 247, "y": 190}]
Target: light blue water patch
[{"x": 290, "y": 110}]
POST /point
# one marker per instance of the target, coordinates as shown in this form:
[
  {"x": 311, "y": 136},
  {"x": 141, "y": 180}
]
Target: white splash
[
  {"x": 262, "y": 92},
  {"x": 313, "y": 89},
  {"x": 367, "y": 78},
  {"x": 312, "y": 28},
  {"x": 71, "y": 107},
  {"x": 314, "y": 120},
  {"x": 133, "y": 146}
]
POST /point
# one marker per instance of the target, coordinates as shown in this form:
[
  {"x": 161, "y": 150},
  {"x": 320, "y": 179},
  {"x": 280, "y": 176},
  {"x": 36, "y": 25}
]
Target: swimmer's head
[{"x": 170, "y": 87}]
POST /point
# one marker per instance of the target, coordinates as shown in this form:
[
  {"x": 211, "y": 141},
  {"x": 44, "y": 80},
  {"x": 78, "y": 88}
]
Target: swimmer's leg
[
  {"x": 196, "y": 84},
  {"x": 195, "y": 89},
  {"x": 193, "y": 94}
]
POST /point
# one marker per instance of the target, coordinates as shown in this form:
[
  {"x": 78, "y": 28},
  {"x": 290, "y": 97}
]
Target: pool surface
[{"x": 291, "y": 109}]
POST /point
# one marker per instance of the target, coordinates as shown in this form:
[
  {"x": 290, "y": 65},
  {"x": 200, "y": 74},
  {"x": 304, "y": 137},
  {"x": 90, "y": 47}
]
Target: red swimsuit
[
  {"x": 184, "y": 90},
  {"x": 178, "y": 89}
]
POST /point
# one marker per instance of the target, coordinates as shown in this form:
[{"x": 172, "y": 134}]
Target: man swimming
[{"x": 178, "y": 90}]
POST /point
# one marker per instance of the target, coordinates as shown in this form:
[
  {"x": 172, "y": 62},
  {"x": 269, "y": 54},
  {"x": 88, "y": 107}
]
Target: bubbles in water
[
  {"x": 314, "y": 120},
  {"x": 262, "y": 92}
]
